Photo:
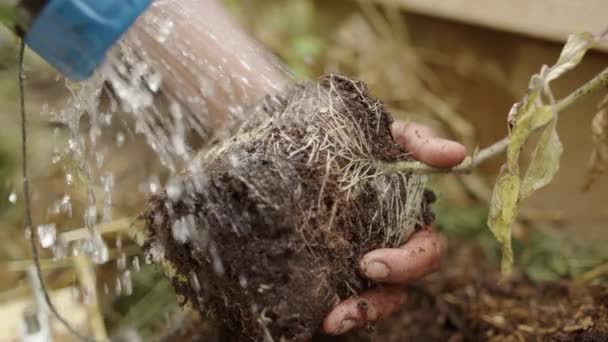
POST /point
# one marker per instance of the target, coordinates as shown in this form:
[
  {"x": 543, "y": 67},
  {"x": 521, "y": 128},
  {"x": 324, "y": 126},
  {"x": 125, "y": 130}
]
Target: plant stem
[{"x": 472, "y": 162}]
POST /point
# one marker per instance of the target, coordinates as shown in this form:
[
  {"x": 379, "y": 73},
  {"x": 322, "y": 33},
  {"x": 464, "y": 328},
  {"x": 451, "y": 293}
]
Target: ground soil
[
  {"x": 468, "y": 300},
  {"x": 276, "y": 238}
]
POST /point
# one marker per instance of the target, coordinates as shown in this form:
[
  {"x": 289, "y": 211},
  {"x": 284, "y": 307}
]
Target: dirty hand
[{"x": 394, "y": 267}]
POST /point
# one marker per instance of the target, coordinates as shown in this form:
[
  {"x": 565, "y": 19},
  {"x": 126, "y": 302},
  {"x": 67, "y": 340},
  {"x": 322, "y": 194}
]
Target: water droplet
[
  {"x": 90, "y": 216},
  {"x": 60, "y": 250},
  {"x": 106, "y": 119},
  {"x": 47, "y": 233},
  {"x": 174, "y": 189},
  {"x": 183, "y": 228},
  {"x": 121, "y": 262},
  {"x": 76, "y": 249},
  {"x": 107, "y": 182},
  {"x": 127, "y": 284},
  {"x": 45, "y": 109},
  {"x": 118, "y": 287},
  {"x": 136, "y": 265},
  {"x": 56, "y": 157},
  {"x": 243, "y": 281},
  {"x": 99, "y": 158},
  {"x": 218, "y": 265},
  {"x": 12, "y": 197},
  {"x": 69, "y": 179},
  {"x": 100, "y": 253},
  {"x": 106, "y": 213},
  {"x": 73, "y": 144},
  {"x": 119, "y": 242},
  {"x": 152, "y": 186},
  {"x": 65, "y": 205},
  {"x": 120, "y": 139},
  {"x": 196, "y": 285}
]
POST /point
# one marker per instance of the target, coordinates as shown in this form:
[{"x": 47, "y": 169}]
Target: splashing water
[
  {"x": 136, "y": 265},
  {"x": 183, "y": 228},
  {"x": 47, "y": 233},
  {"x": 180, "y": 80},
  {"x": 126, "y": 283},
  {"x": 177, "y": 78},
  {"x": 12, "y": 198}
]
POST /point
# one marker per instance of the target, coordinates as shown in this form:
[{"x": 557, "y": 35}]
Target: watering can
[{"x": 71, "y": 35}]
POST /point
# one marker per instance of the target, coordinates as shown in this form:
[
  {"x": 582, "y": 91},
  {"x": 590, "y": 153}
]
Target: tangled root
[{"x": 265, "y": 229}]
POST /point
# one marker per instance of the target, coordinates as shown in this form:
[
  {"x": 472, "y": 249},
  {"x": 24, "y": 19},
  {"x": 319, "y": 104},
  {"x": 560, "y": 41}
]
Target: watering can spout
[{"x": 71, "y": 35}]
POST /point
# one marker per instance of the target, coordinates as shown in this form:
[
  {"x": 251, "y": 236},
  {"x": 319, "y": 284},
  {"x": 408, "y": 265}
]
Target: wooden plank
[{"x": 547, "y": 19}]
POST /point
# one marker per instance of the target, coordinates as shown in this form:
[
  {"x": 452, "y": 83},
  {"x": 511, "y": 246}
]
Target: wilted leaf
[
  {"x": 503, "y": 211},
  {"x": 531, "y": 119},
  {"x": 526, "y": 117},
  {"x": 599, "y": 155},
  {"x": 571, "y": 55},
  {"x": 545, "y": 161}
]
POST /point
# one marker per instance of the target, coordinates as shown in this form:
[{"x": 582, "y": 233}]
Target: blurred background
[{"x": 457, "y": 65}]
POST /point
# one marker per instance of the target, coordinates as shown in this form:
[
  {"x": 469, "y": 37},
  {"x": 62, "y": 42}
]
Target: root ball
[{"x": 265, "y": 230}]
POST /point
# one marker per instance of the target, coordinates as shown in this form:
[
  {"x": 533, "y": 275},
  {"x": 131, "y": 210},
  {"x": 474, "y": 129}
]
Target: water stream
[{"x": 180, "y": 78}]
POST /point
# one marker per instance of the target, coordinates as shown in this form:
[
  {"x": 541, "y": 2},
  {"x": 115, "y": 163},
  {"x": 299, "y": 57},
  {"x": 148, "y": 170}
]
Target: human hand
[{"x": 394, "y": 267}]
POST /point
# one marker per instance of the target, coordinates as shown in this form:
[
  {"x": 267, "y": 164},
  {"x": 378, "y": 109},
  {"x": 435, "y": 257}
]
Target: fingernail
[
  {"x": 345, "y": 326},
  {"x": 376, "y": 270}
]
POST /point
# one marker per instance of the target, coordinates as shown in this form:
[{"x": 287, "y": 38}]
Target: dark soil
[
  {"x": 469, "y": 301},
  {"x": 276, "y": 238}
]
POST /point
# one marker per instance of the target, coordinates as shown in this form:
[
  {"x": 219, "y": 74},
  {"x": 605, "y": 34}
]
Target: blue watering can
[{"x": 71, "y": 35}]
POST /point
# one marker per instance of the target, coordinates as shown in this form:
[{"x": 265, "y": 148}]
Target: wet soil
[{"x": 275, "y": 226}]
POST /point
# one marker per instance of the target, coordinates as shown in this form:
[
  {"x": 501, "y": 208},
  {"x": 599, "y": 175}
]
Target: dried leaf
[
  {"x": 545, "y": 161},
  {"x": 503, "y": 211},
  {"x": 528, "y": 122},
  {"x": 572, "y": 54},
  {"x": 598, "y": 162},
  {"x": 526, "y": 117}
]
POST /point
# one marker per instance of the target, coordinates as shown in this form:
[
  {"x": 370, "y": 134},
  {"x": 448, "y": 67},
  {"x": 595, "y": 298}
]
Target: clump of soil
[{"x": 264, "y": 232}]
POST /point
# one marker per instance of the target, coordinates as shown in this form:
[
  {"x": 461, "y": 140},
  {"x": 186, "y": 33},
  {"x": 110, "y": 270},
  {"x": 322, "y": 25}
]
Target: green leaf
[
  {"x": 545, "y": 161},
  {"x": 503, "y": 211}
]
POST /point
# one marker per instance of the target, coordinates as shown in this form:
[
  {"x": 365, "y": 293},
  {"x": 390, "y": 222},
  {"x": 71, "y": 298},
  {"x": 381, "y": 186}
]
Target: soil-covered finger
[
  {"x": 371, "y": 306},
  {"x": 420, "y": 256}
]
